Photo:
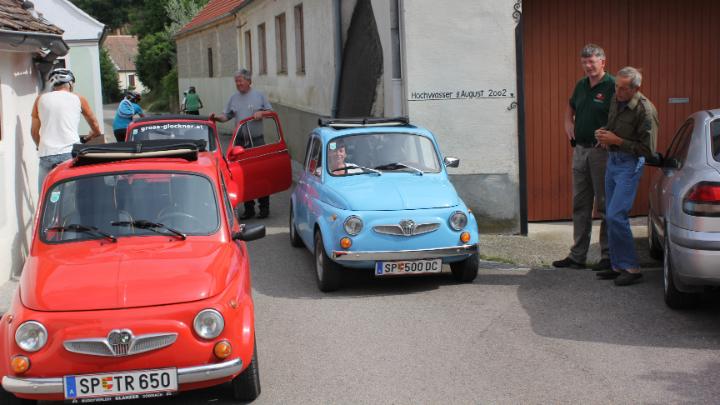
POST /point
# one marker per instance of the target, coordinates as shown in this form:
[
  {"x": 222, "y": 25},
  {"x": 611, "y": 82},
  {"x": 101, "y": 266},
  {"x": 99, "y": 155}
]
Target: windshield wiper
[
  {"x": 82, "y": 228},
  {"x": 354, "y": 166},
  {"x": 399, "y": 165},
  {"x": 144, "y": 224}
]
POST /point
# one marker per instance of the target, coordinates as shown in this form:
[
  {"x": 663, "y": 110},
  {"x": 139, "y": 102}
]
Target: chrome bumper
[
  {"x": 185, "y": 376},
  {"x": 341, "y": 255}
]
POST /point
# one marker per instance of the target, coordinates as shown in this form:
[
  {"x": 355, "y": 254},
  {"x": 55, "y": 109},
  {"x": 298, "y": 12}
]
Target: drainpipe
[{"x": 338, "y": 55}]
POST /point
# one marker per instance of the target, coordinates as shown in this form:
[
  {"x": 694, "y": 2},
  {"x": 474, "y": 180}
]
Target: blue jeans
[
  {"x": 48, "y": 163},
  {"x": 621, "y": 182}
]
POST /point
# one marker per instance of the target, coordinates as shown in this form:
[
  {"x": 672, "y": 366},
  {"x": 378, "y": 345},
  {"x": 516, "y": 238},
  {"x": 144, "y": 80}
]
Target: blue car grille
[{"x": 406, "y": 228}]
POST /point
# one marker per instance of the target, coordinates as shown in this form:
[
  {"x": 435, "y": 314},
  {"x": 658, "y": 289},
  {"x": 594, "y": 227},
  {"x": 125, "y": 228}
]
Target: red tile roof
[
  {"x": 122, "y": 50},
  {"x": 214, "y": 10},
  {"x": 13, "y": 17}
]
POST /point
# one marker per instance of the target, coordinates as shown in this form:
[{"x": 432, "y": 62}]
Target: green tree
[
  {"x": 155, "y": 58},
  {"x": 149, "y": 19},
  {"x": 109, "y": 77},
  {"x": 113, "y": 13}
]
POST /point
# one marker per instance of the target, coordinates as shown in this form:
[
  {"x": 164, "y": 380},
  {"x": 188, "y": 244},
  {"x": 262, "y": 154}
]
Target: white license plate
[
  {"x": 408, "y": 267},
  {"x": 124, "y": 385}
]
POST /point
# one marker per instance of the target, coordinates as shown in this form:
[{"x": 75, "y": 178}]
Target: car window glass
[
  {"x": 314, "y": 163},
  {"x": 174, "y": 130},
  {"x": 681, "y": 143},
  {"x": 185, "y": 202},
  {"x": 715, "y": 139},
  {"x": 383, "y": 149},
  {"x": 256, "y": 133}
]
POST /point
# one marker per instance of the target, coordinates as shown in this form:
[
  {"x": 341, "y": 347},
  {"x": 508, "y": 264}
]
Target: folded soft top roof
[{"x": 111, "y": 152}]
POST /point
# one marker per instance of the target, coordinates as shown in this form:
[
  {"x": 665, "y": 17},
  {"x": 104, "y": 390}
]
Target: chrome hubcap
[{"x": 319, "y": 261}]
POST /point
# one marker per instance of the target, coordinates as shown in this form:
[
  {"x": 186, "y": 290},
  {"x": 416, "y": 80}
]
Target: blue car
[{"x": 375, "y": 194}]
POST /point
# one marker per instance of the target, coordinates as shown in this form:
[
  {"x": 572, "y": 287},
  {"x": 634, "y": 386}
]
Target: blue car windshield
[
  {"x": 129, "y": 204},
  {"x": 381, "y": 152},
  {"x": 174, "y": 130}
]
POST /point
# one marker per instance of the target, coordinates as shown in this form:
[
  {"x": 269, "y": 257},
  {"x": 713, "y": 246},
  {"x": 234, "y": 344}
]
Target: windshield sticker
[
  {"x": 332, "y": 145},
  {"x": 173, "y": 126},
  {"x": 54, "y": 197}
]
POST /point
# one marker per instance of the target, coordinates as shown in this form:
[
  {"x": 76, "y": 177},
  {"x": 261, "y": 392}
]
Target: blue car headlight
[
  {"x": 458, "y": 220},
  {"x": 353, "y": 225}
]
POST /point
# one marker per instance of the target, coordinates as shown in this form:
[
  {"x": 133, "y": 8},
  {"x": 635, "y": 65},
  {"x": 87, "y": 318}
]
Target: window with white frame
[
  {"x": 262, "y": 50},
  {"x": 299, "y": 40},
  {"x": 248, "y": 50},
  {"x": 281, "y": 44}
]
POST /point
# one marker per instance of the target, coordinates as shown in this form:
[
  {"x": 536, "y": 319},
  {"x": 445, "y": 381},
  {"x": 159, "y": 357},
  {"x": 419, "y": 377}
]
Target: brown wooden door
[{"x": 674, "y": 44}]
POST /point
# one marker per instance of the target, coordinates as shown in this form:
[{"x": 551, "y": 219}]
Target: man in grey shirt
[{"x": 247, "y": 102}]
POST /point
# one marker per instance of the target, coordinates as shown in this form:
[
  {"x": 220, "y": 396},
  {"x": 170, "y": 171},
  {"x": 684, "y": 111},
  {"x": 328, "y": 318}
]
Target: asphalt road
[{"x": 512, "y": 336}]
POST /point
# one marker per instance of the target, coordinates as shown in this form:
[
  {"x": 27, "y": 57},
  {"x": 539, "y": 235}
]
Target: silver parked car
[{"x": 684, "y": 214}]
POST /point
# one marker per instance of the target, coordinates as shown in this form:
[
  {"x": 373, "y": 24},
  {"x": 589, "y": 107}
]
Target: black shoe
[
  {"x": 247, "y": 215},
  {"x": 568, "y": 262},
  {"x": 264, "y": 214},
  {"x": 603, "y": 264},
  {"x": 627, "y": 278},
  {"x": 608, "y": 274}
]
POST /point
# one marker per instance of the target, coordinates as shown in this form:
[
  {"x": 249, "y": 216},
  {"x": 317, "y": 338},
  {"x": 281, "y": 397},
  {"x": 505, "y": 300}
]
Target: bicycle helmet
[
  {"x": 59, "y": 77},
  {"x": 133, "y": 96}
]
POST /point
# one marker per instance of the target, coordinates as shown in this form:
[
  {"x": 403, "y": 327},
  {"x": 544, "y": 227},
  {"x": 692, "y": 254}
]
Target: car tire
[
  {"x": 675, "y": 298},
  {"x": 246, "y": 386},
  {"x": 295, "y": 240},
  {"x": 465, "y": 271},
  {"x": 7, "y": 398},
  {"x": 327, "y": 271},
  {"x": 654, "y": 247}
]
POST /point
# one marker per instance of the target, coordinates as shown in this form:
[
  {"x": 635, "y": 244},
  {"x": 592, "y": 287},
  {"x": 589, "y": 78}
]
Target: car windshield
[
  {"x": 381, "y": 152},
  {"x": 123, "y": 204},
  {"x": 174, "y": 130}
]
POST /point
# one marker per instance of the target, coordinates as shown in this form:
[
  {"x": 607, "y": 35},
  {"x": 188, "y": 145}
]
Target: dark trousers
[
  {"x": 120, "y": 134},
  {"x": 196, "y": 112},
  {"x": 263, "y": 202}
]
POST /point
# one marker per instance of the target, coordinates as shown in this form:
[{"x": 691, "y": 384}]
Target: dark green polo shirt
[{"x": 591, "y": 106}]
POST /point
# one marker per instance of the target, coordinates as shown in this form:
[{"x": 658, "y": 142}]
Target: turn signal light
[
  {"x": 465, "y": 237},
  {"x": 222, "y": 349},
  {"x": 19, "y": 364},
  {"x": 345, "y": 243}
]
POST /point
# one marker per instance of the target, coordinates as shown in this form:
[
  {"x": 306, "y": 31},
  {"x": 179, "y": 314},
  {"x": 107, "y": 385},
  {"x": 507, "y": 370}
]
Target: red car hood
[{"x": 91, "y": 275}]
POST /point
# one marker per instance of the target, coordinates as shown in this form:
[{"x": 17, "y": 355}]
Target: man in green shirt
[
  {"x": 587, "y": 111},
  {"x": 192, "y": 103}
]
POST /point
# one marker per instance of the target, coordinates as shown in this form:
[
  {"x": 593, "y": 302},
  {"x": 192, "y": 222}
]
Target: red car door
[{"x": 259, "y": 158}]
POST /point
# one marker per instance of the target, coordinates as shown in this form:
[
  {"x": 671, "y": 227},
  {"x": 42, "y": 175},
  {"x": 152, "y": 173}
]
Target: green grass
[{"x": 496, "y": 259}]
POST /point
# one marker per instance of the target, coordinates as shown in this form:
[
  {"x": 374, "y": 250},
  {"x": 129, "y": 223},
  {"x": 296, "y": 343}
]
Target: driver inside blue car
[{"x": 337, "y": 154}]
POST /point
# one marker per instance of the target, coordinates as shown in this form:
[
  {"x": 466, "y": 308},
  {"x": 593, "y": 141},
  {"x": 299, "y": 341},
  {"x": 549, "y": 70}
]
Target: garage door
[{"x": 675, "y": 45}]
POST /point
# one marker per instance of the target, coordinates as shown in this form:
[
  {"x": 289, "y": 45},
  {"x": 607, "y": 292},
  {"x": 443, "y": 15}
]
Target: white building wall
[
  {"x": 460, "y": 73},
  {"x": 18, "y": 161},
  {"x": 474, "y": 54}
]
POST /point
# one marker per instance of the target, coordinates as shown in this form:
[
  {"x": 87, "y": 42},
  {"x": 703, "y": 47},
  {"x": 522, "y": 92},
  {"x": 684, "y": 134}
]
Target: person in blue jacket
[{"x": 127, "y": 109}]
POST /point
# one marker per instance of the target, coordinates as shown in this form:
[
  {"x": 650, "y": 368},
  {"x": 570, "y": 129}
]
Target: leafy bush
[{"x": 109, "y": 77}]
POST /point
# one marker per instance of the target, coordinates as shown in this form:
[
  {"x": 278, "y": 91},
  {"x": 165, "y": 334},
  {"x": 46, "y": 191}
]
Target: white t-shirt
[{"x": 59, "y": 113}]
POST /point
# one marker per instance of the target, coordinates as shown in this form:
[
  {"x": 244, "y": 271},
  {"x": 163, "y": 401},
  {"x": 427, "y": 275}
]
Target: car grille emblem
[
  {"x": 407, "y": 226},
  {"x": 120, "y": 341}
]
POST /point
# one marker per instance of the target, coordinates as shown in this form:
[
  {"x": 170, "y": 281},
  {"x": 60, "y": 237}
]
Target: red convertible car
[
  {"x": 137, "y": 284},
  {"x": 257, "y": 162}
]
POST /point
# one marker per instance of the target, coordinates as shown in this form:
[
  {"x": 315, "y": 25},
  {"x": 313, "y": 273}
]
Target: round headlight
[
  {"x": 31, "y": 336},
  {"x": 208, "y": 324},
  {"x": 458, "y": 220},
  {"x": 353, "y": 225}
]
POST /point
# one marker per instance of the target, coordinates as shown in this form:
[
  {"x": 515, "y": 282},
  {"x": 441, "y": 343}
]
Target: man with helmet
[
  {"x": 127, "y": 109},
  {"x": 55, "y": 119}
]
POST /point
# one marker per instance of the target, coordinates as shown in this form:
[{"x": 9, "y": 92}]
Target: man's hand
[
  {"x": 258, "y": 115},
  {"x": 212, "y": 117},
  {"x": 607, "y": 138}
]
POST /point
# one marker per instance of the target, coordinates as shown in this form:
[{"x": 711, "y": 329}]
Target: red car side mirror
[{"x": 236, "y": 151}]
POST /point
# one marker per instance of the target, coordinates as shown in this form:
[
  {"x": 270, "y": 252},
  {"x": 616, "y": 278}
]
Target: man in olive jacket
[{"x": 630, "y": 137}]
